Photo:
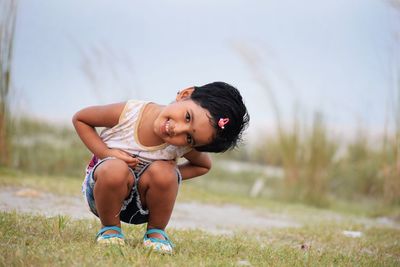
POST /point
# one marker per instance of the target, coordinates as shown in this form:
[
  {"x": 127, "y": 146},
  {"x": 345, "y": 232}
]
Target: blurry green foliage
[
  {"x": 312, "y": 171},
  {"x": 319, "y": 168},
  {"x": 42, "y": 148},
  {"x": 356, "y": 174}
]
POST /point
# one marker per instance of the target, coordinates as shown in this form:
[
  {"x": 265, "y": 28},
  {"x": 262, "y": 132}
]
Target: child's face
[{"x": 183, "y": 123}]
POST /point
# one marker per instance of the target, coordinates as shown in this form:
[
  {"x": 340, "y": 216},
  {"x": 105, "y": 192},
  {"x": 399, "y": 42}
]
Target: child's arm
[
  {"x": 198, "y": 163},
  {"x": 88, "y": 118}
]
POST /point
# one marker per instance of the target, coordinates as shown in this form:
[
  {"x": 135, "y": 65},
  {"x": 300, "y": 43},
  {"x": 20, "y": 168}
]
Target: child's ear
[{"x": 184, "y": 94}]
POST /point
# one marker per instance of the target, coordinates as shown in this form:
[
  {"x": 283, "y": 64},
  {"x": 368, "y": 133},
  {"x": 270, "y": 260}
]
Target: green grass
[
  {"x": 27, "y": 240},
  {"x": 61, "y": 241}
]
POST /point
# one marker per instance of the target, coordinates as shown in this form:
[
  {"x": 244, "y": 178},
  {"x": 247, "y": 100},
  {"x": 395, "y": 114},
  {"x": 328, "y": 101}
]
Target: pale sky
[{"x": 334, "y": 56}]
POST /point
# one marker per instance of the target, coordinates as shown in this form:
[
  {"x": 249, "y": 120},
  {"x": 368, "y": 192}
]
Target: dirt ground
[{"x": 222, "y": 219}]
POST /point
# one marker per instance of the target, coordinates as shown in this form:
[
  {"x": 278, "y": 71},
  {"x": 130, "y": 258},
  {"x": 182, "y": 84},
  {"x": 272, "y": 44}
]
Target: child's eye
[
  {"x": 189, "y": 139},
  {"x": 187, "y": 116}
]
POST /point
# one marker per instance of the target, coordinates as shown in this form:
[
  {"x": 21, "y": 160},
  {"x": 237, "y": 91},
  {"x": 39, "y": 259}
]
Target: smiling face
[{"x": 183, "y": 123}]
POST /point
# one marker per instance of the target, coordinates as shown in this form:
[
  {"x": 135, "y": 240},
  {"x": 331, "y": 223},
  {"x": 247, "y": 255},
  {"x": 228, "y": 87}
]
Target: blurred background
[{"x": 320, "y": 79}]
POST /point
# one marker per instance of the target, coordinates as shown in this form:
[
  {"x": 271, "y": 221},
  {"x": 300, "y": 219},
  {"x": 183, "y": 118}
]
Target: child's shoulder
[
  {"x": 133, "y": 107},
  {"x": 136, "y": 102}
]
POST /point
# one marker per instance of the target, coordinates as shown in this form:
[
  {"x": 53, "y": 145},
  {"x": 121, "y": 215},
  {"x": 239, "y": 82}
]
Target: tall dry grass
[
  {"x": 390, "y": 166},
  {"x": 8, "y": 13},
  {"x": 314, "y": 172},
  {"x": 390, "y": 154},
  {"x": 390, "y": 171},
  {"x": 320, "y": 150},
  {"x": 305, "y": 150}
]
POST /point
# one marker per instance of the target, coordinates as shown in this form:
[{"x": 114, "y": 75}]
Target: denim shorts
[{"x": 132, "y": 211}]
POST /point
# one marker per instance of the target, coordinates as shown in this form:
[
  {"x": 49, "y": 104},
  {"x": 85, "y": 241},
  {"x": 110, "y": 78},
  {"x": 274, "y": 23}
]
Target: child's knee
[
  {"x": 113, "y": 173},
  {"x": 163, "y": 174}
]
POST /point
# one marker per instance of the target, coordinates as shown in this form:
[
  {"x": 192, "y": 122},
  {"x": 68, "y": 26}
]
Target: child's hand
[{"x": 119, "y": 154}]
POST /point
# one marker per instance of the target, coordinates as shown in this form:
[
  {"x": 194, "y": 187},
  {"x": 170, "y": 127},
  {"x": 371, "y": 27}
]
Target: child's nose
[{"x": 181, "y": 128}]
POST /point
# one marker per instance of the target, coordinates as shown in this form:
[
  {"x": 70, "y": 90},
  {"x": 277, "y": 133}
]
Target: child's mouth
[{"x": 166, "y": 128}]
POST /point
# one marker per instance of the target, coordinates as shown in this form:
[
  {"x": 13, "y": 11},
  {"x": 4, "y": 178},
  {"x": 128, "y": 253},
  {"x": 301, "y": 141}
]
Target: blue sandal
[
  {"x": 156, "y": 244},
  {"x": 117, "y": 239}
]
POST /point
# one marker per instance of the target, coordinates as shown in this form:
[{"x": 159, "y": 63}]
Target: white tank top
[{"x": 124, "y": 136}]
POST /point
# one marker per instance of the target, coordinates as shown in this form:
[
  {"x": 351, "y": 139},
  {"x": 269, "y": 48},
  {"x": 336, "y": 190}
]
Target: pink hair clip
[{"x": 222, "y": 122}]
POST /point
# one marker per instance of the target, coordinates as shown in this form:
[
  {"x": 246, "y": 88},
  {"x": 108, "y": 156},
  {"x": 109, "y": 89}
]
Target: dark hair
[{"x": 222, "y": 101}]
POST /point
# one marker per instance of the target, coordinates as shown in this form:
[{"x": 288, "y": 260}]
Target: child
[{"x": 133, "y": 175}]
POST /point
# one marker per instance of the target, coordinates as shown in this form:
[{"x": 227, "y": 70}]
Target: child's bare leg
[
  {"x": 158, "y": 188},
  {"x": 113, "y": 184}
]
